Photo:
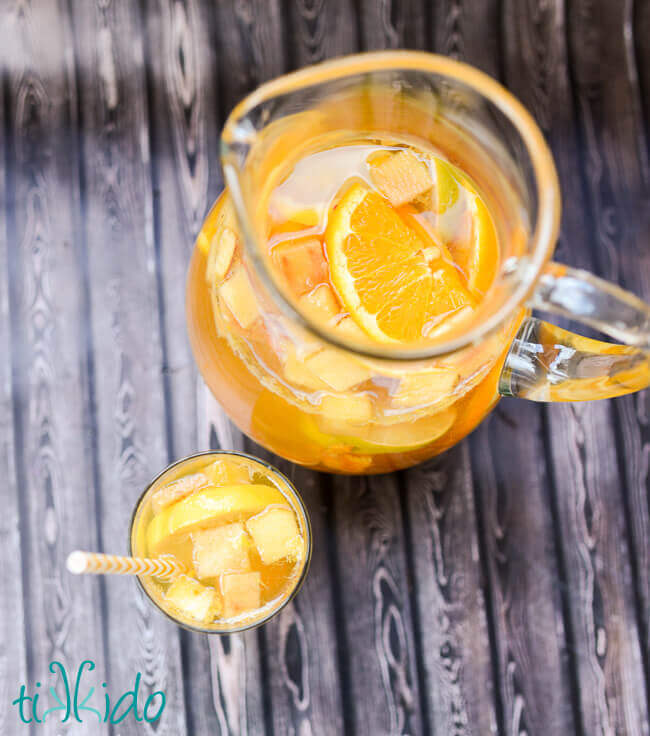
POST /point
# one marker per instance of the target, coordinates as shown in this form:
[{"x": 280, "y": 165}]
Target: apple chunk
[
  {"x": 242, "y": 593},
  {"x": 303, "y": 264},
  {"x": 220, "y": 550},
  {"x": 400, "y": 177},
  {"x": 194, "y": 600},
  {"x": 275, "y": 533},
  {"x": 238, "y": 295}
]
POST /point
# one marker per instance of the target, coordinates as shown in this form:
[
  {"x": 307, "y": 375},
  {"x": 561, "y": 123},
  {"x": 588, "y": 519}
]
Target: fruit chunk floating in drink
[
  {"x": 240, "y": 530},
  {"x": 379, "y": 242}
]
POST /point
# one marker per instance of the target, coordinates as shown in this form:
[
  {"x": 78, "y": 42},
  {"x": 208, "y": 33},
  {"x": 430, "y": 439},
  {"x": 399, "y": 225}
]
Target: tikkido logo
[{"x": 72, "y": 706}]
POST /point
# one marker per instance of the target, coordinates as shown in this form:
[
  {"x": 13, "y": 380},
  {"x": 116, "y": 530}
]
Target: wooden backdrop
[{"x": 503, "y": 588}]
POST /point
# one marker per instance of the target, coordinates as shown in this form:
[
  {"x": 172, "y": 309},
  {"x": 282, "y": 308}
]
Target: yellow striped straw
[{"x": 164, "y": 567}]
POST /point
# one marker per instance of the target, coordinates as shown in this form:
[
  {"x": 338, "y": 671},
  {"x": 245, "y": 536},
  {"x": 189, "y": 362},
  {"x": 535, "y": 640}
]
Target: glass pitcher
[{"x": 325, "y": 396}]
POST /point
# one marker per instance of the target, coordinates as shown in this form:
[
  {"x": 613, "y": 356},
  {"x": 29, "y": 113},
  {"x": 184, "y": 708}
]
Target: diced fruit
[
  {"x": 220, "y": 550},
  {"x": 298, "y": 374},
  {"x": 227, "y": 473},
  {"x": 303, "y": 264},
  {"x": 209, "y": 506},
  {"x": 237, "y": 292},
  {"x": 176, "y": 490},
  {"x": 348, "y": 408},
  {"x": 400, "y": 177},
  {"x": 222, "y": 250},
  {"x": 275, "y": 534},
  {"x": 321, "y": 303},
  {"x": 241, "y": 592},
  {"x": 338, "y": 370},
  {"x": 420, "y": 389},
  {"x": 196, "y": 601},
  {"x": 379, "y": 270},
  {"x": 350, "y": 330}
]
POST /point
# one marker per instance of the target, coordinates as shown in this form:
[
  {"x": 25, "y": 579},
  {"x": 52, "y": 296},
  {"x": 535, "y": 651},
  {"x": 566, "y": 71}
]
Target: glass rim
[
  {"x": 303, "y": 572},
  {"x": 542, "y": 239}
]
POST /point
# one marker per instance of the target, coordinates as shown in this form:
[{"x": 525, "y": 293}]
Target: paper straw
[{"x": 164, "y": 567}]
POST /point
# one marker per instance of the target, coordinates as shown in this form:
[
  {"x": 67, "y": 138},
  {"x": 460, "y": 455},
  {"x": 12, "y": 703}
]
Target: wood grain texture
[
  {"x": 49, "y": 375},
  {"x": 236, "y": 676},
  {"x": 126, "y": 344},
  {"x": 454, "y": 646},
  {"x": 182, "y": 86},
  {"x": 13, "y": 658},
  {"x": 392, "y": 24},
  {"x": 378, "y": 643},
  {"x": 301, "y": 643},
  {"x": 534, "y": 680},
  {"x": 320, "y": 29},
  {"x": 618, "y": 185},
  {"x": 252, "y": 47}
]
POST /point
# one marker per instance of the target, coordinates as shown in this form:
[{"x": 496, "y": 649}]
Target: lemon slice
[
  {"x": 382, "y": 271},
  {"x": 213, "y": 505}
]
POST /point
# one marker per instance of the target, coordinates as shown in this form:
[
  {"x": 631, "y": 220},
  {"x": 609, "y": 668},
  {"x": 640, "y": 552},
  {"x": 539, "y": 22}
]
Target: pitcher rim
[{"x": 542, "y": 240}]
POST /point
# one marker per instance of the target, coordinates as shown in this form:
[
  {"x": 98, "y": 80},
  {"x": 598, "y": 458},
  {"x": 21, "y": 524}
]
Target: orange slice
[{"x": 383, "y": 273}]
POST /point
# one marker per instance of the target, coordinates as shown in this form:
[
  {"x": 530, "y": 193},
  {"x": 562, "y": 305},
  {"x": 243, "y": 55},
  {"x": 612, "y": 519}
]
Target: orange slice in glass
[{"x": 382, "y": 271}]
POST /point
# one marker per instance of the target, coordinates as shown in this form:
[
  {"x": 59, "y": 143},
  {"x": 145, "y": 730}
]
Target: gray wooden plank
[
  {"x": 301, "y": 642},
  {"x": 252, "y": 47},
  {"x": 458, "y": 679},
  {"x": 235, "y": 661},
  {"x": 182, "y": 83},
  {"x": 392, "y": 24},
  {"x": 468, "y": 30},
  {"x": 126, "y": 344},
  {"x": 618, "y": 185},
  {"x": 50, "y": 382},
  {"x": 533, "y": 677},
  {"x": 13, "y": 658},
  {"x": 318, "y": 30},
  {"x": 641, "y": 34},
  {"x": 379, "y": 652},
  {"x": 182, "y": 90}
]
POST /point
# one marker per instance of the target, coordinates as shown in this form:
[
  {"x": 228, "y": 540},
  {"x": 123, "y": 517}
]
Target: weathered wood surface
[{"x": 502, "y": 588}]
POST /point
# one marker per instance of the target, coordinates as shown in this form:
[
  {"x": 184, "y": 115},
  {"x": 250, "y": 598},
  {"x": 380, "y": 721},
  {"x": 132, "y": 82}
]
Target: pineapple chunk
[
  {"x": 419, "y": 389},
  {"x": 355, "y": 409},
  {"x": 176, "y": 490},
  {"x": 222, "y": 250},
  {"x": 275, "y": 534},
  {"x": 194, "y": 600},
  {"x": 400, "y": 177},
  {"x": 242, "y": 593},
  {"x": 219, "y": 550},
  {"x": 321, "y": 303},
  {"x": 303, "y": 264},
  {"x": 339, "y": 371},
  {"x": 227, "y": 473},
  {"x": 237, "y": 292}
]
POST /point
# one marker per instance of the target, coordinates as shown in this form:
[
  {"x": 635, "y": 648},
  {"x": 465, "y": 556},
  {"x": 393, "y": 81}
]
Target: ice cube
[
  {"x": 338, "y": 370},
  {"x": 227, "y": 473}
]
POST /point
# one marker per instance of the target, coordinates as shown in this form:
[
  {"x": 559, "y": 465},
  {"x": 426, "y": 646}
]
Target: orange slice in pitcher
[{"x": 382, "y": 273}]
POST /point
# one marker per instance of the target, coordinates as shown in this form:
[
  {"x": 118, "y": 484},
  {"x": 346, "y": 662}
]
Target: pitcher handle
[{"x": 548, "y": 363}]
